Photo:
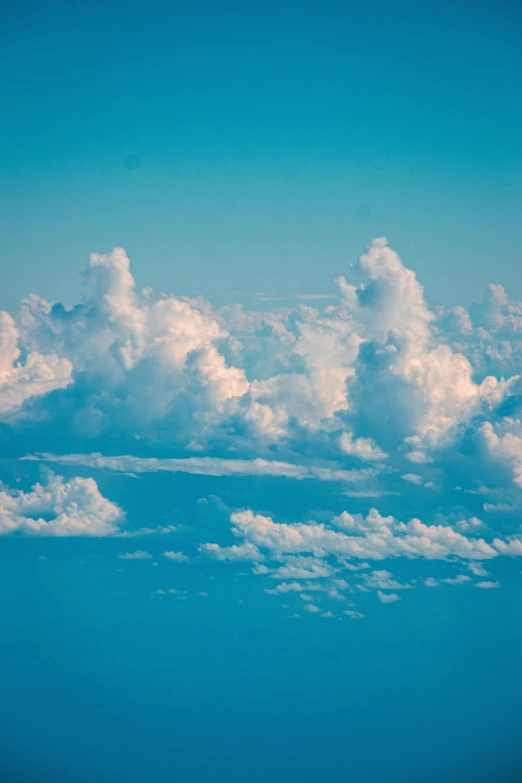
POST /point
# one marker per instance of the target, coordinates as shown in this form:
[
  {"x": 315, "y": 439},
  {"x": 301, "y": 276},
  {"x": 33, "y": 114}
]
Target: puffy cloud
[
  {"x": 382, "y": 580},
  {"x": 176, "y": 557},
  {"x": 363, "y": 448},
  {"x": 353, "y": 615},
  {"x": 59, "y": 508},
  {"x": 140, "y": 554},
  {"x": 487, "y": 585},
  {"x": 373, "y": 537},
  {"x": 503, "y": 443},
  {"x": 37, "y": 376},
  {"x": 245, "y": 551},
  {"x": 363, "y": 378},
  {"x": 456, "y": 580},
  {"x": 387, "y": 598}
]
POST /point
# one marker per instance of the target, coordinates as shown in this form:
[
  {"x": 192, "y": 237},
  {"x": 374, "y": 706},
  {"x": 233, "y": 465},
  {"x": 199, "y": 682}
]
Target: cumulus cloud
[
  {"x": 503, "y": 443},
  {"x": 371, "y": 537},
  {"x": 387, "y": 598},
  {"x": 59, "y": 508},
  {"x": 38, "y": 375},
  {"x": 140, "y": 554},
  {"x": 456, "y": 580},
  {"x": 373, "y": 390},
  {"x": 245, "y": 551},
  {"x": 367, "y": 377},
  {"x": 176, "y": 557}
]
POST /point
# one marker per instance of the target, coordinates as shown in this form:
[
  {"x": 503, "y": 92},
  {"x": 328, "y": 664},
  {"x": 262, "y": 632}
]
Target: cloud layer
[{"x": 383, "y": 401}]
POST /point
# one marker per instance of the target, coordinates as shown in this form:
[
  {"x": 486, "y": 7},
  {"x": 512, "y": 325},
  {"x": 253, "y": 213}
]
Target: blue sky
[
  {"x": 260, "y": 393},
  {"x": 258, "y": 148}
]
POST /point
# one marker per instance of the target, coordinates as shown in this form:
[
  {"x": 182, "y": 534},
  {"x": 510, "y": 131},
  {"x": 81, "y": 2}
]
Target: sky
[{"x": 260, "y": 392}]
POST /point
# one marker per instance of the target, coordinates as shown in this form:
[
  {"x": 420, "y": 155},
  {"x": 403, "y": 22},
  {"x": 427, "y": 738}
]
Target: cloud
[
  {"x": 382, "y": 580},
  {"x": 37, "y": 376},
  {"x": 140, "y": 554},
  {"x": 363, "y": 448},
  {"x": 207, "y": 466},
  {"x": 372, "y": 390},
  {"x": 413, "y": 478},
  {"x": 457, "y": 580},
  {"x": 373, "y": 537},
  {"x": 176, "y": 557},
  {"x": 245, "y": 551},
  {"x": 477, "y": 569},
  {"x": 59, "y": 508},
  {"x": 503, "y": 443},
  {"x": 387, "y": 598},
  {"x": 374, "y": 376},
  {"x": 487, "y": 585}
]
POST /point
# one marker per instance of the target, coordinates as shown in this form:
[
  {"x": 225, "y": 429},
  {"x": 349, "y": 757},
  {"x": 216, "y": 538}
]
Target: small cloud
[
  {"x": 477, "y": 569},
  {"x": 413, "y": 478},
  {"x": 431, "y": 582},
  {"x": 203, "y": 594},
  {"x": 487, "y": 585},
  {"x": 353, "y": 615},
  {"x": 176, "y": 557},
  {"x": 419, "y": 457},
  {"x": 140, "y": 554},
  {"x": 387, "y": 598},
  {"x": 312, "y": 608},
  {"x": 456, "y": 580}
]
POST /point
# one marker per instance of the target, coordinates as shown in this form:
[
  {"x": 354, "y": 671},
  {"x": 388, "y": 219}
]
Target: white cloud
[
  {"x": 487, "y": 585},
  {"x": 39, "y": 375},
  {"x": 312, "y": 608},
  {"x": 208, "y": 466},
  {"x": 176, "y": 557},
  {"x": 364, "y": 448},
  {"x": 372, "y": 537},
  {"x": 503, "y": 442},
  {"x": 140, "y": 554},
  {"x": 477, "y": 569},
  {"x": 246, "y": 551},
  {"x": 387, "y": 598},
  {"x": 457, "y": 580},
  {"x": 59, "y": 508},
  {"x": 382, "y": 580},
  {"x": 413, "y": 478}
]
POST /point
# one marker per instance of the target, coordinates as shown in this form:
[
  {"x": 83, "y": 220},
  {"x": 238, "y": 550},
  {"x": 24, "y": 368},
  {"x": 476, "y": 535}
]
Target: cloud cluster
[
  {"x": 354, "y": 536},
  {"x": 59, "y": 508},
  {"x": 371, "y": 378}
]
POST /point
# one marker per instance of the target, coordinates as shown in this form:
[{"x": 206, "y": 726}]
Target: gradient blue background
[{"x": 257, "y": 147}]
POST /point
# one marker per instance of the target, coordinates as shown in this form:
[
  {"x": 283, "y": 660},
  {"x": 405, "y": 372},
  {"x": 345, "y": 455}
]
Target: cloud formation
[
  {"x": 59, "y": 508},
  {"x": 374, "y": 395},
  {"x": 375, "y": 375}
]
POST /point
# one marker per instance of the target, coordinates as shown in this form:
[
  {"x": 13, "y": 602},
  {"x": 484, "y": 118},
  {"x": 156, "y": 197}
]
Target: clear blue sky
[
  {"x": 259, "y": 146},
  {"x": 277, "y": 547}
]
